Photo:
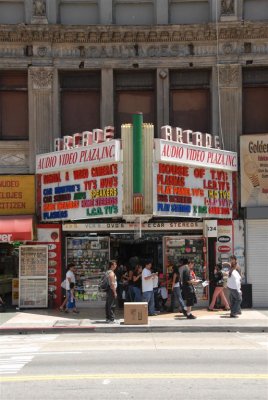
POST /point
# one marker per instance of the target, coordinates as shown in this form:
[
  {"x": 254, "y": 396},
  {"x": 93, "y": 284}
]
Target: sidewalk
[{"x": 92, "y": 320}]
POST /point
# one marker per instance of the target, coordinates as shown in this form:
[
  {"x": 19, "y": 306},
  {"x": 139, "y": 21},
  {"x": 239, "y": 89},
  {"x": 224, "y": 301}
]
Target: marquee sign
[
  {"x": 189, "y": 191},
  {"x": 92, "y": 191},
  {"x": 98, "y": 153},
  {"x": 176, "y": 152}
]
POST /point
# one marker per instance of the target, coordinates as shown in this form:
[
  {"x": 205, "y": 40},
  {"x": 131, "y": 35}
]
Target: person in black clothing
[
  {"x": 219, "y": 290},
  {"x": 136, "y": 283},
  {"x": 188, "y": 291},
  {"x": 176, "y": 292}
]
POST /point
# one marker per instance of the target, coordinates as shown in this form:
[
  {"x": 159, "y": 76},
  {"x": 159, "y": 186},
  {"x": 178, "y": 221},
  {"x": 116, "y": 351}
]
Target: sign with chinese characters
[
  {"x": 17, "y": 194},
  {"x": 91, "y": 191},
  {"x": 254, "y": 170},
  {"x": 188, "y": 191}
]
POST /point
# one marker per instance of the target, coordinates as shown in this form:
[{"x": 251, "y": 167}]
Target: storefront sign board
[
  {"x": 127, "y": 227},
  {"x": 91, "y": 191},
  {"x": 17, "y": 194},
  {"x": 187, "y": 191},
  {"x": 100, "y": 153},
  {"x": 254, "y": 170},
  {"x": 174, "y": 152}
]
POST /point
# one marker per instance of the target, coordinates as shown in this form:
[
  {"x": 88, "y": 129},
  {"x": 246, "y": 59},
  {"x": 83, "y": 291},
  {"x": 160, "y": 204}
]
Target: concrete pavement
[{"x": 92, "y": 320}]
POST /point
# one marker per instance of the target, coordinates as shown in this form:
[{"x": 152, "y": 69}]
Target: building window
[
  {"x": 79, "y": 12},
  {"x": 12, "y": 12},
  {"x": 13, "y": 105},
  {"x": 255, "y": 100},
  {"x": 129, "y": 12},
  {"x": 134, "y": 92},
  {"x": 189, "y": 12},
  {"x": 190, "y": 99},
  {"x": 255, "y": 10},
  {"x": 80, "y": 101}
]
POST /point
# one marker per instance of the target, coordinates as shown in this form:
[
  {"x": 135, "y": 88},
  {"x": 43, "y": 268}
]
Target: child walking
[{"x": 71, "y": 306}]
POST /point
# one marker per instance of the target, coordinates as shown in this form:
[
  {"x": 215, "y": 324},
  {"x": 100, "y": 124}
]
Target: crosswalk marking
[{"x": 17, "y": 351}]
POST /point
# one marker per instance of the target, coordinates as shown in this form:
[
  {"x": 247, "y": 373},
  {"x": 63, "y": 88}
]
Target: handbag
[{"x": 63, "y": 284}]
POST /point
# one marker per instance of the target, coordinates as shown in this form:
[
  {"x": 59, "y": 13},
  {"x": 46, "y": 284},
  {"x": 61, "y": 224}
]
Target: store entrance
[{"x": 124, "y": 251}]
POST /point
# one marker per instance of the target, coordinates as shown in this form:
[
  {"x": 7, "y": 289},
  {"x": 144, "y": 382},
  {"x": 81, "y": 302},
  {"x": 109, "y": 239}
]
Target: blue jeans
[
  {"x": 136, "y": 293},
  {"x": 178, "y": 297},
  {"x": 235, "y": 301},
  {"x": 149, "y": 298}
]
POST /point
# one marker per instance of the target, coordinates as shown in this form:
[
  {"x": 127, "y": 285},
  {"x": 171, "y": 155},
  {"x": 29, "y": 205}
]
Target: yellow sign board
[{"x": 17, "y": 194}]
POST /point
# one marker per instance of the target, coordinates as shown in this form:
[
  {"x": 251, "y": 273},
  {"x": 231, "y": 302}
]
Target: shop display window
[{"x": 90, "y": 256}]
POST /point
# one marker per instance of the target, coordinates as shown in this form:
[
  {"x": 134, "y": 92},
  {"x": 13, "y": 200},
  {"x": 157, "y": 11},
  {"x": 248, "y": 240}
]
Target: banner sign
[
  {"x": 98, "y": 153},
  {"x": 17, "y": 194},
  {"x": 187, "y": 191},
  {"x": 127, "y": 226},
  {"x": 174, "y": 152},
  {"x": 254, "y": 170},
  {"x": 92, "y": 191}
]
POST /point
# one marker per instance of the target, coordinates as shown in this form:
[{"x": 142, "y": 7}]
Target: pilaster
[
  {"x": 230, "y": 87},
  {"x": 105, "y": 12},
  {"x": 107, "y": 97},
  {"x": 161, "y": 12},
  {"x": 162, "y": 98},
  {"x": 41, "y": 136}
]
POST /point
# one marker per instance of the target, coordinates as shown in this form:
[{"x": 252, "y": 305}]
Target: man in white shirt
[
  {"x": 148, "y": 287},
  {"x": 235, "y": 293}
]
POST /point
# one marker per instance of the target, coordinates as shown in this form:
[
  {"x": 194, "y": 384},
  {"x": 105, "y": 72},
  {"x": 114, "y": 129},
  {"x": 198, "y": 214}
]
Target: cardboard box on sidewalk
[{"x": 135, "y": 313}]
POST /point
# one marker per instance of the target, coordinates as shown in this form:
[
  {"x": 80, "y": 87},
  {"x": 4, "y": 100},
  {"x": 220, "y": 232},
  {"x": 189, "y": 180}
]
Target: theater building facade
[{"x": 69, "y": 67}]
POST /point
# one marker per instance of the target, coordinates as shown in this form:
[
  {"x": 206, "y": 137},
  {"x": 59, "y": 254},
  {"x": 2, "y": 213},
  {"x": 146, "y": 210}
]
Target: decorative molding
[
  {"x": 227, "y": 7},
  {"x": 229, "y": 75},
  {"x": 132, "y": 35},
  {"x": 41, "y": 77},
  {"x": 14, "y": 155},
  {"x": 39, "y": 8}
]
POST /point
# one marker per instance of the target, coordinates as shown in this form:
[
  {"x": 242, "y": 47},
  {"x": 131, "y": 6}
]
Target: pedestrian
[
  {"x": 176, "y": 292},
  {"x": 70, "y": 277},
  {"x": 71, "y": 304},
  {"x": 148, "y": 287},
  {"x": 234, "y": 288},
  {"x": 137, "y": 283},
  {"x": 188, "y": 290},
  {"x": 111, "y": 293},
  {"x": 218, "y": 289}
]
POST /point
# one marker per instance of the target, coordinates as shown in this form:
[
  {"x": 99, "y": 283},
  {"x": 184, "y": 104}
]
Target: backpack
[{"x": 104, "y": 283}]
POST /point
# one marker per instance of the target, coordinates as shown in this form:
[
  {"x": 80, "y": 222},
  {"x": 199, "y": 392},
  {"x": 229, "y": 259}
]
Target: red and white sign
[
  {"x": 99, "y": 153},
  {"x": 16, "y": 228},
  {"x": 174, "y": 152}
]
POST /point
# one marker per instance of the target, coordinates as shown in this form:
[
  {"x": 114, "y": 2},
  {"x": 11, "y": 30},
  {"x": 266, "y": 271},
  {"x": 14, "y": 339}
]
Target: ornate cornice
[{"x": 112, "y": 34}]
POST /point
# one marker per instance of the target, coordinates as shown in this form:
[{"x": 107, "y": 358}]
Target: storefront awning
[{"x": 16, "y": 228}]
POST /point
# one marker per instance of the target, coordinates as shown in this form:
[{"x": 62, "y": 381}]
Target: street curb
[{"x": 132, "y": 329}]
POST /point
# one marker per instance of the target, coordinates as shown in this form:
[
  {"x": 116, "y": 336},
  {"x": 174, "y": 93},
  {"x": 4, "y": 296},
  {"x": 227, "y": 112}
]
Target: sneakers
[
  {"x": 153, "y": 315},
  {"x": 190, "y": 316},
  {"x": 233, "y": 316}
]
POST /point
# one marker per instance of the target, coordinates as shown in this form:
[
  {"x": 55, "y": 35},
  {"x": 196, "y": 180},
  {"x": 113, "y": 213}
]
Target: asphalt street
[{"x": 134, "y": 366}]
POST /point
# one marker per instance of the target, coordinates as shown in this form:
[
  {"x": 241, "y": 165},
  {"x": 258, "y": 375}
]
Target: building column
[
  {"x": 41, "y": 135},
  {"x": 230, "y": 107},
  {"x": 162, "y": 99},
  {"x": 107, "y": 97}
]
